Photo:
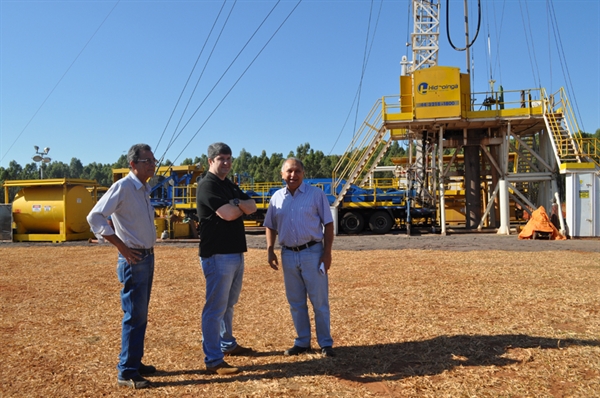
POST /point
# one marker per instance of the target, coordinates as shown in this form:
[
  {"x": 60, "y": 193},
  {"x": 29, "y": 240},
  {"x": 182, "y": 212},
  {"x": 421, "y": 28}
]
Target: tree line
[{"x": 247, "y": 167}]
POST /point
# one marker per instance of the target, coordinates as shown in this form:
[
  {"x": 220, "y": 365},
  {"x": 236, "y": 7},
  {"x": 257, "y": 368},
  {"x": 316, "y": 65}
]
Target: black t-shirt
[{"x": 218, "y": 236}]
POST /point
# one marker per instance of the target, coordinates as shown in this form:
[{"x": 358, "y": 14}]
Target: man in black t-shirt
[{"x": 221, "y": 205}]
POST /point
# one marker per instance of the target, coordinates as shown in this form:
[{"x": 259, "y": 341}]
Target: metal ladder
[
  {"x": 367, "y": 148},
  {"x": 565, "y": 142}
]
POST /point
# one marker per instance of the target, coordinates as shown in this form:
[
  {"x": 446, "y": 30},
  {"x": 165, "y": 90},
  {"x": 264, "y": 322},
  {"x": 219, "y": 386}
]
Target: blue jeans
[
  {"x": 223, "y": 274},
  {"x": 135, "y": 296},
  {"x": 302, "y": 278}
]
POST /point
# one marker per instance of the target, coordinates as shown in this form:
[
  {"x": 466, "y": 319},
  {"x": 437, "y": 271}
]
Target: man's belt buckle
[
  {"x": 302, "y": 247},
  {"x": 145, "y": 252}
]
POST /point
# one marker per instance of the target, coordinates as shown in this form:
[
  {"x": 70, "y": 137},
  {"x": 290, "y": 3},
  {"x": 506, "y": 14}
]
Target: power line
[
  {"x": 239, "y": 78},
  {"x": 366, "y": 57},
  {"x": 59, "y": 80},
  {"x": 188, "y": 79},
  {"x": 175, "y": 134}
]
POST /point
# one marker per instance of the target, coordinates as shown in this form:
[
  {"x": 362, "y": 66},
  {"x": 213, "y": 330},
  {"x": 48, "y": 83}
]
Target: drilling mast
[{"x": 426, "y": 34}]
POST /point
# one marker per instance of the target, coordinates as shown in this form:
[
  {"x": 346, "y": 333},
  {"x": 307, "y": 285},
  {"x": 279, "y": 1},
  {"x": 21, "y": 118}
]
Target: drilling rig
[{"x": 480, "y": 159}]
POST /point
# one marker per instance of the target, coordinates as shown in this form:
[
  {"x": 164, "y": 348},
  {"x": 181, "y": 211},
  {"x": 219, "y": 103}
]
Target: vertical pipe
[
  {"x": 504, "y": 228},
  {"x": 563, "y": 230},
  {"x": 468, "y": 53},
  {"x": 442, "y": 206}
]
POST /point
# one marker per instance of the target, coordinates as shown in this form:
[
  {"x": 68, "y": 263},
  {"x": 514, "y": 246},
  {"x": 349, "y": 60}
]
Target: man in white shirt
[
  {"x": 300, "y": 215},
  {"x": 127, "y": 204}
]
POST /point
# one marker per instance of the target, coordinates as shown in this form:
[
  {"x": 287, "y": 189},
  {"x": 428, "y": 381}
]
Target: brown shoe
[
  {"x": 239, "y": 351},
  {"x": 222, "y": 369}
]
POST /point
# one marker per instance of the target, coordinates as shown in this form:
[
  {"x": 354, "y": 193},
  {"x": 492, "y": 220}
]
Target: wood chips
[{"x": 406, "y": 323}]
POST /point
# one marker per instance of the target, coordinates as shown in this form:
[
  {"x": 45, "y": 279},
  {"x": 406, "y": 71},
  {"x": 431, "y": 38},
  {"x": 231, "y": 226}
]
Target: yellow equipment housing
[
  {"x": 52, "y": 210},
  {"x": 440, "y": 91}
]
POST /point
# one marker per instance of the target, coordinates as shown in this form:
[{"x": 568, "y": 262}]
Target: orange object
[{"x": 539, "y": 222}]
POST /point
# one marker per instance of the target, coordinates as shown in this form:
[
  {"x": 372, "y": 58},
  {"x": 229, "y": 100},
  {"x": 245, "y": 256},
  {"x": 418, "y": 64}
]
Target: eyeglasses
[{"x": 151, "y": 161}]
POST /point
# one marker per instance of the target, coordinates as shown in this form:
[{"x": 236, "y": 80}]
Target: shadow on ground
[{"x": 395, "y": 361}]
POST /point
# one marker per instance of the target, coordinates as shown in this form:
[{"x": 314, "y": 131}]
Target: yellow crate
[
  {"x": 160, "y": 224},
  {"x": 181, "y": 230}
]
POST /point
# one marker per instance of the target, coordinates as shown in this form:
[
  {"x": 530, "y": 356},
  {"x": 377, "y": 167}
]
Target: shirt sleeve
[
  {"x": 104, "y": 208},
  {"x": 210, "y": 198},
  {"x": 269, "y": 221},
  {"x": 325, "y": 210}
]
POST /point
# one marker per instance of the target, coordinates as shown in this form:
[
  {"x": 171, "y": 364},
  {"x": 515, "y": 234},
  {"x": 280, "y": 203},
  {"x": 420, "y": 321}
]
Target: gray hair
[
  {"x": 216, "y": 149},
  {"x": 134, "y": 152},
  {"x": 292, "y": 159}
]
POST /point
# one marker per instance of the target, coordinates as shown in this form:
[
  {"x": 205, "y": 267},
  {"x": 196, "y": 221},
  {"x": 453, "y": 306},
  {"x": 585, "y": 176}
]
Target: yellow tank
[{"x": 52, "y": 209}]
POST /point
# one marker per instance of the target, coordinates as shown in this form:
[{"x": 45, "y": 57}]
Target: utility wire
[
  {"x": 531, "y": 50},
  {"x": 189, "y": 77},
  {"x": 239, "y": 78},
  {"x": 498, "y": 31},
  {"x": 366, "y": 57},
  {"x": 364, "y": 65},
  {"x": 173, "y": 137},
  {"x": 563, "y": 64},
  {"x": 60, "y": 80},
  {"x": 227, "y": 69}
]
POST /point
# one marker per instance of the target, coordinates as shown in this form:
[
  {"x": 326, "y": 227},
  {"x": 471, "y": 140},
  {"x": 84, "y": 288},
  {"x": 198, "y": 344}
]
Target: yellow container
[
  {"x": 52, "y": 209},
  {"x": 160, "y": 224},
  {"x": 181, "y": 230}
]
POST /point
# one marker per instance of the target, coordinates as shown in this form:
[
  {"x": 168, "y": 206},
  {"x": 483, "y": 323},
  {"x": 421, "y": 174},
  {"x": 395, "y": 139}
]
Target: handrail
[
  {"x": 588, "y": 148},
  {"x": 358, "y": 147}
]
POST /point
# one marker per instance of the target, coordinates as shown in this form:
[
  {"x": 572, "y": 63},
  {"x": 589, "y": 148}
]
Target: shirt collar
[
  {"x": 300, "y": 188},
  {"x": 137, "y": 183}
]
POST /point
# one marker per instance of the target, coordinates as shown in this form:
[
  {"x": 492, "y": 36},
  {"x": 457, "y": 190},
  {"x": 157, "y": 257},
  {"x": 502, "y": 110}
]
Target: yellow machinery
[
  {"x": 173, "y": 196},
  {"x": 52, "y": 210}
]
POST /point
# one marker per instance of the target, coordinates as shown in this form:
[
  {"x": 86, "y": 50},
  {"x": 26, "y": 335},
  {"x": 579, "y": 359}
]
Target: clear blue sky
[{"x": 90, "y": 78}]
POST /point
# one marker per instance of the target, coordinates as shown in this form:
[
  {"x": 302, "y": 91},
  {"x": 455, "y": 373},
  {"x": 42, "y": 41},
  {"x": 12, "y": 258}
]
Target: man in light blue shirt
[
  {"x": 127, "y": 203},
  {"x": 300, "y": 215}
]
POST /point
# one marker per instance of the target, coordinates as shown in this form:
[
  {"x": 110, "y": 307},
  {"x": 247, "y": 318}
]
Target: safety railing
[{"x": 364, "y": 147}]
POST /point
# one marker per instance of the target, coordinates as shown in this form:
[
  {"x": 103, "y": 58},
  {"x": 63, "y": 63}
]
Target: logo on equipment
[{"x": 424, "y": 87}]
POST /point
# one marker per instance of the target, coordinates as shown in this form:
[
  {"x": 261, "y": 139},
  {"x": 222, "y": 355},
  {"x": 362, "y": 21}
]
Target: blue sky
[{"x": 90, "y": 78}]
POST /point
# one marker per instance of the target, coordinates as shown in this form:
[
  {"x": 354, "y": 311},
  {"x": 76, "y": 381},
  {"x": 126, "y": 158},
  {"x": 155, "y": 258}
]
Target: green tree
[
  {"x": 75, "y": 168},
  {"x": 202, "y": 161},
  {"x": 302, "y": 151},
  {"x": 275, "y": 161},
  {"x": 59, "y": 170},
  {"x": 242, "y": 163},
  {"x": 121, "y": 163},
  {"x": 262, "y": 170}
]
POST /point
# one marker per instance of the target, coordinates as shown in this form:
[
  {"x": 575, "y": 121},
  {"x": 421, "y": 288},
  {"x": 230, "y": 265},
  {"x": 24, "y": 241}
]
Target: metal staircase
[
  {"x": 525, "y": 162},
  {"x": 367, "y": 148},
  {"x": 380, "y": 154},
  {"x": 568, "y": 144}
]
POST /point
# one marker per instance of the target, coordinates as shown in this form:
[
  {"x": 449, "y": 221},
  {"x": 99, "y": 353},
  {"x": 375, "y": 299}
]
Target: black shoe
[
  {"x": 239, "y": 351},
  {"x": 135, "y": 382},
  {"x": 327, "y": 351},
  {"x": 222, "y": 369},
  {"x": 146, "y": 369},
  {"x": 295, "y": 350}
]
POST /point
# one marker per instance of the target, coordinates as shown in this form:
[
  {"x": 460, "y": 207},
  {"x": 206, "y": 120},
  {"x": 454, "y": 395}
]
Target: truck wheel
[
  {"x": 380, "y": 222},
  {"x": 353, "y": 223}
]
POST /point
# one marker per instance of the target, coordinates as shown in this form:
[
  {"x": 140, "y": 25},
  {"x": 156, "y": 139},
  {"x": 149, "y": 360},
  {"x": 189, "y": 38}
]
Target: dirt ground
[
  {"x": 457, "y": 240},
  {"x": 463, "y": 315}
]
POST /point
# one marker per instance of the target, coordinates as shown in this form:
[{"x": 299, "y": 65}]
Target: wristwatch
[{"x": 236, "y": 202}]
